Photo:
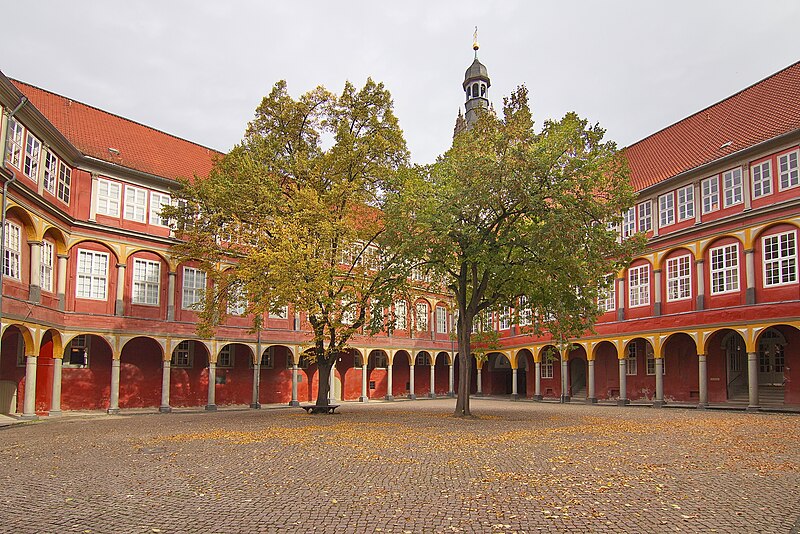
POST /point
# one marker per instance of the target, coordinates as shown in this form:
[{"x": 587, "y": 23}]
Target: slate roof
[
  {"x": 94, "y": 132},
  {"x": 758, "y": 113}
]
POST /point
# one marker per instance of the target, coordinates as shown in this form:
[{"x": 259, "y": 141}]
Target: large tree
[
  {"x": 291, "y": 216},
  {"x": 512, "y": 217}
]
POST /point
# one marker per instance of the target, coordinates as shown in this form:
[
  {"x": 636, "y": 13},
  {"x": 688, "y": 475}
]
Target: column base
[
  {"x": 29, "y": 417},
  {"x": 478, "y": 394},
  {"x": 112, "y": 411},
  {"x": 294, "y": 403},
  {"x": 754, "y": 408},
  {"x": 412, "y": 397},
  {"x": 659, "y": 404},
  {"x": 514, "y": 397},
  {"x": 165, "y": 409},
  {"x": 702, "y": 405},
  {"x": 211, "y": 407},
  {"x": 451, "y": 393},
  {"x": 564, "y": 399},
  {"x": 389, "y": 397},
  {"x": 537, "y": 397},
  {"x": 255, "y": 405},
  {"x": 54, "y": 413},
  {"x": 623, "y": 402},
  {"x": 591, "y": 400},
  {"x": 431, "y": 395},
  {"x": 363, "y": 399}
]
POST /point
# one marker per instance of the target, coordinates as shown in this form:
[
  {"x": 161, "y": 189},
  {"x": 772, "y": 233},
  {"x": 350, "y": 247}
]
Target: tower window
[
  {"x": 475, "y": 90},
  {"x": 483, "y": 90}
]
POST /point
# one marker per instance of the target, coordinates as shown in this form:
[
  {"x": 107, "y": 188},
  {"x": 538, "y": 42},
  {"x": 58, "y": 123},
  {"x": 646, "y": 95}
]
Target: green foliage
[
  {"x": 509, "y": 213},
  {"x": 292, "y": 214}
]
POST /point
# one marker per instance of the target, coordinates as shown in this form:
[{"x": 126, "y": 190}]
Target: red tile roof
[
  {"x": 758, "y": 113},
  {"x": 93, "y": 132}
]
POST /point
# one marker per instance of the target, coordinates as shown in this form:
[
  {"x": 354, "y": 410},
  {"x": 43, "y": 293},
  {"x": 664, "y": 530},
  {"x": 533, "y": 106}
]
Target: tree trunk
[
  {"x": 465, "y": 367},
  {"x": 323, "y": 387}
]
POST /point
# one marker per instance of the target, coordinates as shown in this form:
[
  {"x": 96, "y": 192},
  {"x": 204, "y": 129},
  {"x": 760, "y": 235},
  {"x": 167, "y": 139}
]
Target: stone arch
[
  {"x": 233, "y": 373},
  {"x": 401, "y": 373},
  {"x": 189, "y": 372},
  {"x": 705, "y": 247},
  {"x": 17, "y": 343},
  {"x": 56, "y": 235},
  {"x": 526, "y": 376},
  {"x": 726, "y": 357},
  {"x": 578, "y": 367},
  {"x": 680, "y": 368},
  {"x": 141, "y": 360},
  {"x": 275, "y": 375},
  {"x": 86, "y": 372},
  {"x": 26, "y": 221},
  {"x": 606, "y": 368}
]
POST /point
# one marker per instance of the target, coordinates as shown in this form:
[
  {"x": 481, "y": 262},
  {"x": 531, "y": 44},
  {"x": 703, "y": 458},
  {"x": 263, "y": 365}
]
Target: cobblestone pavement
[{"x": 405, "y": 467}]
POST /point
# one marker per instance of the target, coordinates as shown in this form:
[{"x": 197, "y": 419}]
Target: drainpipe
[{"x": 12, "y": 177}]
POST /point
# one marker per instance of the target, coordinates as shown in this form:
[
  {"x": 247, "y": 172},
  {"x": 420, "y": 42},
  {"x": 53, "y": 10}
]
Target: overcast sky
[{"x": 198, "y": 69}]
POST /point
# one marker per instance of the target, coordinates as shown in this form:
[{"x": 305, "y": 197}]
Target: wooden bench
[{"x": 313, "y": 408}]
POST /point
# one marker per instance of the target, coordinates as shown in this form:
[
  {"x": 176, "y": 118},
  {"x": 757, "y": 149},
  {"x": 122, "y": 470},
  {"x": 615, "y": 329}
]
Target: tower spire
[
  {"x": 476, "y": 85},
  {"x": 475, "y": 45}
]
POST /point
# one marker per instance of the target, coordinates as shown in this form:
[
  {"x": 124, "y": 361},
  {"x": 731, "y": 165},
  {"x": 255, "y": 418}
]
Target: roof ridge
[
  {"x": 774, "y": 74},
  {"x": 117, "y": 116}
]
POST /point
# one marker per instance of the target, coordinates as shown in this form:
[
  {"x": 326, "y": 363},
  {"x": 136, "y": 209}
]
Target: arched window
[{"x": 483, "y": 89}]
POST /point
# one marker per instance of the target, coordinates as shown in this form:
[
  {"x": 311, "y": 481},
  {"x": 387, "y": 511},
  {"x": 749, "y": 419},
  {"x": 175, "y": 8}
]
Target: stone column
[
  {"x": 389, "y": 395},
  {"x": 119, "y": 308},
  {"x": 538, "y": 381},
  {"x": 752, "y": 380},
  {"x": 750, "y": 271},
  {"x": 514, "y": 394},
  {"x": 564, "y": 378},
  {"x": 591, "y": 398},
  {"x": 35, "y": 287},
  {"x": 113, "y": 402},
  {"x": 165, "y": 376},
  {"x": 621, "y": 299},
  {"x": 432, "y": 394},
  {"x": 255, "y": 401},
  {"x": 294, "y": 401},
  {"x": 29, "y": 404},
  {"x": 701, "y": 282},
  {"x": 451, "y": 381},
  {"x": 364, "y": 376},
  {"x": 659, "y": 400},
  {"x": 658, "y": 298},
  {"x": 55, "y": 403},
  {"x": 411, "y": 394},
  {"x": 702, "y": 374},
  {"x": 171, "y": 295},
  {"x": 332, "y": 384},
  {"x": 623, "y": 392},
  {"x": 212, "y": 387},
  {"x": 480, "y": 381},
  {"x": 61, "y": 281}
]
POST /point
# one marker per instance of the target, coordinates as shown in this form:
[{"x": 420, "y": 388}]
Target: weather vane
[{"x": 475, "y": 45}]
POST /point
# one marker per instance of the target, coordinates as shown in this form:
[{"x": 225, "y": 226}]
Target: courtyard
[{"x": 405, "y": 467}]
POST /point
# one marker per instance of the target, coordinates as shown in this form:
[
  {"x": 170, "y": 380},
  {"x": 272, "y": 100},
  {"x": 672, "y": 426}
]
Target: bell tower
[{"x": 476, "y": 86}]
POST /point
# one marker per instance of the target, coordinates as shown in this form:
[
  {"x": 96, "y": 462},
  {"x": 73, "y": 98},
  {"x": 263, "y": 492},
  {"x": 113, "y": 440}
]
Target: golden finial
[{"x": 475, "y": 45}]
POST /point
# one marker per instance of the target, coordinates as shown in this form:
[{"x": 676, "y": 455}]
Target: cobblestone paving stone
[{"x": 405, "y": 467}]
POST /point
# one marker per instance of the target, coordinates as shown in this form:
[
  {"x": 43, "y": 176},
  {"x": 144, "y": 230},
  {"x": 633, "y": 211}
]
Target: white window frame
[
  {"x": 547, "y": 369},
  {"x": 91, "y": 283},
  {"x": 225, "y": 358},
  {"x": 628, "y": 222},
  {"x": 50, "y": 172},
  {"x": 524, "y": 312},
  {"x": 135, "y": 203},
  {"x": 157, "y": 201},
  {"x": 666, "y": 209},
  {"x": 421, "y": 316},
  {"x": 33, "y": 153},
  {"x": 784, "y": 260},
  {"x": 686, "y": 202},
  {"x": 710, "y": 193},
  {"x": 237, "y": 304},
  {"x": 147, "y": 286},
  {"x": 192, "y": 294},
  {"x": 15, "y": 140},
  {"x": 78, "y": 343},
  {"x": 632, "y": 360},
  {"x": 607, "y": 297},
  {"x": 108, "y": 197},
  {"x": 12, "y": 262},
  {"x": 441, "y": 320},
  {"x": 183, "y": 355},
  {"x": 48, "y": 255},
  {"x": 639, "y": 286},
  {"x": 64, "y": 182},
  {"x": 727, "y": 272},
  {"x": 651, "y": 363},
  {"x": 400, "y": 318},
  {"x": 282, "y": 313},
  {"x": 761, "y": 178},
  {"x": 679, "y": 278},
  {"x": 504, "y": 318},
  {"x": 732, "y": 188},
  {"x": 788, "y": 170},
  {"x": 645, "y": 212}
]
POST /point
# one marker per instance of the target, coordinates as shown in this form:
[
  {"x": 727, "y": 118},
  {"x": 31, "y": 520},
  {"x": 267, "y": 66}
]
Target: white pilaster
[
  {"x": 55, "y": 403},
  {"x": 592, "y": 397},
  {"x": 294, "y": 401},
  {"x": 702, "y": 374},
  {"x": 61, "y": 281},
  {"x": 364, "y": 377},
  {"x": 113, "y": 401},
  {"x": 165, "y": 377},
  {"x": 623, "y": 391},
  {"x": 752, "y": 380},
  {"x": 411, "y": 394},
  {"x": 389, "y": 395},
  {"x": 36, "y": 271},
  {"x": 659, "y": 400},
  {"x": 537, "y": 395},
  {"x": 432, "y": 393},
  {"x": 171, "y": 295},
  {"x": 212, "y": 387},
  {"x": 29, "y": 403},
  {"x": 514, "y": 384}
]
